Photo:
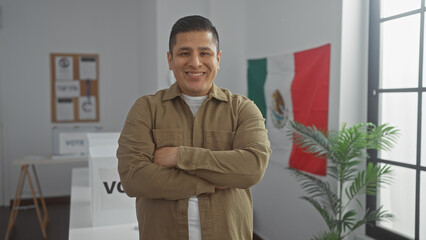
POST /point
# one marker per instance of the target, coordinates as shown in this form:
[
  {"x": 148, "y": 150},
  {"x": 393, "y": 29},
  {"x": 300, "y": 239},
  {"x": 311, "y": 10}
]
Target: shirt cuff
[{"x": 184, "y": 161}]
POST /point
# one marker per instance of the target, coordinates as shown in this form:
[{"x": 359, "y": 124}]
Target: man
[{"x": 190, "y": 153}]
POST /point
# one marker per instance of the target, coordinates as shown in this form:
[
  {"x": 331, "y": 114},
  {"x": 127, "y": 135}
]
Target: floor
[{"x": 27, "y": 226}]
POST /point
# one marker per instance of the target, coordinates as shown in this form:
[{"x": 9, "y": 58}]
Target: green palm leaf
[
  {"x": 316, "y": 188},
  {"x": 328, "y": 218},
  {"x": 370, "y": 216},
  {"x": 348, "y": 220},
  {"x": 326, "y": 236},
  {"x": 367, "y": 180},
  {"x": 310, "y": 139}
]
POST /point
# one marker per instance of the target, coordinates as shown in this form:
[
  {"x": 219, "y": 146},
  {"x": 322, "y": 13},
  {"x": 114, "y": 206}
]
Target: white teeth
[{"x": 195, "y": 74}]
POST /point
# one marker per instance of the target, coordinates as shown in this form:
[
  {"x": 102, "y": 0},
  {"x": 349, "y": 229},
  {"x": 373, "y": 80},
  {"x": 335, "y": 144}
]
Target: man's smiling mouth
[{"x": 195, "y": 74}]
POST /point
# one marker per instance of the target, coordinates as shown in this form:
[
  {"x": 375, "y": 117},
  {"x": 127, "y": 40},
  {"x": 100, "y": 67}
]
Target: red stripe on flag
[{"x": 309, "y": 92}]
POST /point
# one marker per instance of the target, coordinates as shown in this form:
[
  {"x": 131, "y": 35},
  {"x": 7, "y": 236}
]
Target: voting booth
[{"x": 109, "y": 204}]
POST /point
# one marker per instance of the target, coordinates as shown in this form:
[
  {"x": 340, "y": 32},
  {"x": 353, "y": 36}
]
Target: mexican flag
[{"x": 292, "y": 87}]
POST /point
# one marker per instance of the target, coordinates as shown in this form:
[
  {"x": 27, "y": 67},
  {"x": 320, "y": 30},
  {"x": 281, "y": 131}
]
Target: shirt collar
[{"x": 174, "y": 91}]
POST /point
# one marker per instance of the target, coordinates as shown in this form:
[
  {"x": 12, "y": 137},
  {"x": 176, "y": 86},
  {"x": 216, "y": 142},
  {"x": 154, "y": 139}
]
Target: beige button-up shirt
[{"x": 225, "y": 144}]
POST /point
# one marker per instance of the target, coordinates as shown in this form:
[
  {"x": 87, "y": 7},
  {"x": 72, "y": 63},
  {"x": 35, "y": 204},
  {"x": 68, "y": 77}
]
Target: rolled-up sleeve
[
  {"x": 241, "y": 167},
  {"x": 140, "y": 177}
]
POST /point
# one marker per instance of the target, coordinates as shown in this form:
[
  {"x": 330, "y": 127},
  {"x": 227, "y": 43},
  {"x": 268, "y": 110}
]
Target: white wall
[
  {"x": 354, "y": 62},
  {"x": 354, "y": 69},
  {"x": 147, "y": 45},
  {"x": 2, "y": 185},
  {"x": 2, "y": 181},
  {"x": 275, "y": 27},
  {"x": 32, "y": 29}
]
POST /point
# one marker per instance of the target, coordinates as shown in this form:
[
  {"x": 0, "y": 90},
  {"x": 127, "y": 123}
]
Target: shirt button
[
  {"x": 182, "y": 213},
  {"x": 187, "y": 162}
]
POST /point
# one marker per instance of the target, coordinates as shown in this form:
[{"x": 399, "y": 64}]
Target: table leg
[
  {"x": 16, "y": 202},
  {"x": 42, "y": 224},
  {"x": 43, "y": 203}
]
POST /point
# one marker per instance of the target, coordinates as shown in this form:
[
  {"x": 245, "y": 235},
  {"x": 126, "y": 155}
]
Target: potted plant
[{"x": 344, "y": 150}]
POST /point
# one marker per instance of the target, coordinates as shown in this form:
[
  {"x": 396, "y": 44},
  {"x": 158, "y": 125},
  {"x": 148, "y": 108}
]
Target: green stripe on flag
[{"x": 256, "y": 77}]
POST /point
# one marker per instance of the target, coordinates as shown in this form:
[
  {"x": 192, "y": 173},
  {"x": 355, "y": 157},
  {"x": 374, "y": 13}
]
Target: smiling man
[{"x": 190, "y": 153}]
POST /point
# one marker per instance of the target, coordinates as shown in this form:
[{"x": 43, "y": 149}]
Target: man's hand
[{"x": 166, "y": 156}]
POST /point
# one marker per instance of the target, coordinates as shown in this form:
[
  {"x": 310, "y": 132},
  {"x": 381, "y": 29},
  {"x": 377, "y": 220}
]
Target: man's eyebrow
[
  {"x": 205, "y": 49},
  {"x": 200, "y": 49},
  {"x": 183, "y": 49}
]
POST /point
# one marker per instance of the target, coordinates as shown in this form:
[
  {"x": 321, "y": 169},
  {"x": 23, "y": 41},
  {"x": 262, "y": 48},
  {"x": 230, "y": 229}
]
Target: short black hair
[{"x": 192, "y": 23}]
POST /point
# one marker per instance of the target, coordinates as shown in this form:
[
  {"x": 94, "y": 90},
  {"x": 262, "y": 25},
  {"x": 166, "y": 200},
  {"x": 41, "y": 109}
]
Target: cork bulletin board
[{"x": 74, "y": 87}]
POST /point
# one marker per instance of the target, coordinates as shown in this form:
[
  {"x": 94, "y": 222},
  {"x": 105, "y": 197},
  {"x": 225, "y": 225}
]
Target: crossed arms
[{"x": 180, "y": 172}]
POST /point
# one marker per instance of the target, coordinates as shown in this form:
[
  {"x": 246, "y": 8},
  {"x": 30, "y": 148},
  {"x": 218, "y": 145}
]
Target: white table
[
  {"x": 80, "y": 219},
  {"x": 26, "y": 163}
]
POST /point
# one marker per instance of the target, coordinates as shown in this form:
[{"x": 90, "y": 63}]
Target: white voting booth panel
[{"x": 109, "y": 205}]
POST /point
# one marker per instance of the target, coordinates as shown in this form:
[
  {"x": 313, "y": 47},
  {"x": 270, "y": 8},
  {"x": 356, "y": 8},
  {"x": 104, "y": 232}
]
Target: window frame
[{"x": 374, "y": 91}]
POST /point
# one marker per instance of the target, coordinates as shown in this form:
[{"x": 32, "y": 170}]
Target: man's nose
[{"x": 195, "y": 61}]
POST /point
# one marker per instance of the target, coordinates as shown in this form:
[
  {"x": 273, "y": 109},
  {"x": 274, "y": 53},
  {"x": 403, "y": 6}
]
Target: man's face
[{"x": 194, "y": 62}]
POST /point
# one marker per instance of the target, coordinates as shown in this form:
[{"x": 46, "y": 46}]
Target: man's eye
[
  {"x": 184, "y": 54},
  {"x": 205, "y": 54}
]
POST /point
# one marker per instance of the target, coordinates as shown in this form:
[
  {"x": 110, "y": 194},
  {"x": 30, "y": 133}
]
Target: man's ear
[
  {"x": 170, "y": 60},
  {"x": 219, "y": 55}
]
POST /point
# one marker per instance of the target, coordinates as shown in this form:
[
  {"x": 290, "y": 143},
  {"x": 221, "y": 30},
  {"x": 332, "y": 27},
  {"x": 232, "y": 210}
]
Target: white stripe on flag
[{"x": 280, "y": 74}]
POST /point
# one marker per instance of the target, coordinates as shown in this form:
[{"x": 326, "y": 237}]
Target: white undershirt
[
  {"x": 194, "y": 102},
  {"x": 194, "y": 224}
]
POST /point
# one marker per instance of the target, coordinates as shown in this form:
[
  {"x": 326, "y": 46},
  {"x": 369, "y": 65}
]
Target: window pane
[
  {"x": 423, "y": 206},
  {"x": 400, "y": 110},
  {"x": 398, "y": 198},
  {"x": 393, "y": 7},
  {"x": 400, "y": 52},
  {"x": 423, "y": 149}
]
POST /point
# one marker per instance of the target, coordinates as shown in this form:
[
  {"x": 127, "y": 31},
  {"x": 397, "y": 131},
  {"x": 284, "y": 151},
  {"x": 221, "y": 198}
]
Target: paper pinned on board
[
  {"x": 64, "y": 69},
  {"x": 87, "y": 108},
  {"x": 64, "y": 109},
  {"x": 87, "y": 66},
  {"x": 67, "y": 89}
]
